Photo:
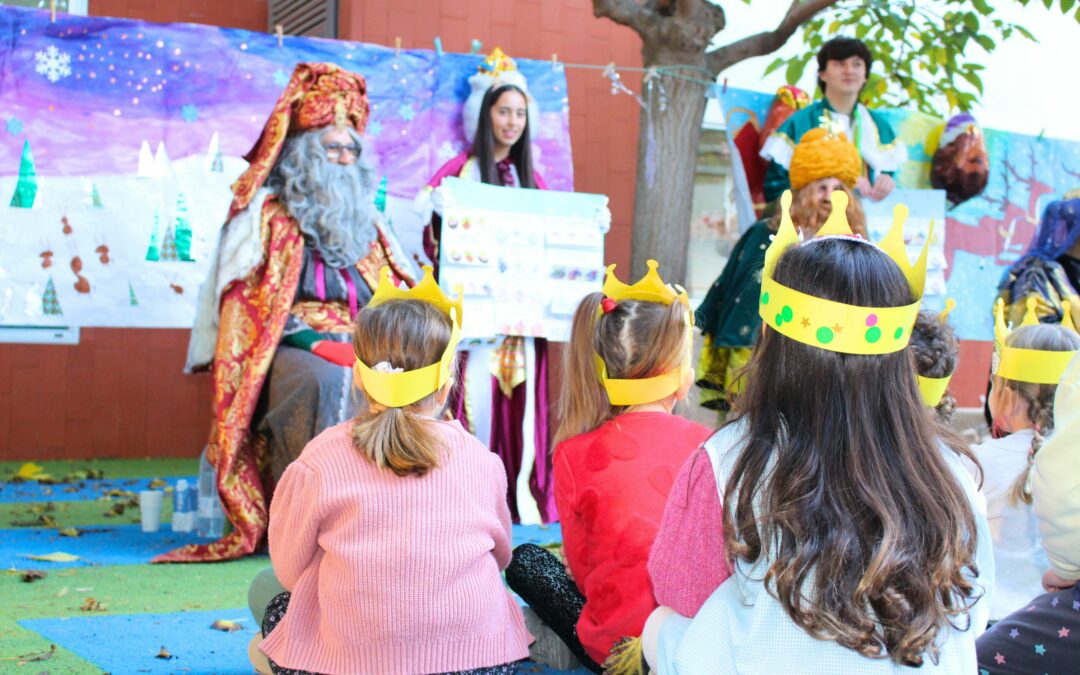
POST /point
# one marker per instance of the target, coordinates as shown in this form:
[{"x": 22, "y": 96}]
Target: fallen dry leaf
[
  {"x": 30, "y": 471},
  {"x": 30, "y": 576},
  {"x": 32, "y": 656},
  {"x": 68, "y": 532},
  {"x": 58, "y": 556},
  {"x": 164, "y": 654},
  {"x": 226, "y": 626},
  {"x": 62, "y": 592},
  {"x": 115, "y": 510},
  {"x": 92, "y": 605},
  {"x": 157, "y": 483}
]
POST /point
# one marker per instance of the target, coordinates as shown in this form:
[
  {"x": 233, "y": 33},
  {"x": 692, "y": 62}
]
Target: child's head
[
  {"x": 400, "y": 335},
  {"x": 636, "y": 339},
  {"x": 841, "y": 485},
  {"x": 1016, "y": 405},
  {"x": 936, "y": 352}
]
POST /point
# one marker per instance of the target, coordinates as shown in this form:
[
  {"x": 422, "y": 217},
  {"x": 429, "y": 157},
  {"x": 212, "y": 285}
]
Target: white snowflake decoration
[
  {"x": 53, "y": 63},
  {"x": 447, "y": 151}
]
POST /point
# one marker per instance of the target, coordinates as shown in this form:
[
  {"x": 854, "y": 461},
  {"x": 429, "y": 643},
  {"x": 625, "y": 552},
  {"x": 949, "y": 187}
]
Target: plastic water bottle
[
  {"x": 184, "y": 498},
  {"x": 210, "y": 518}
]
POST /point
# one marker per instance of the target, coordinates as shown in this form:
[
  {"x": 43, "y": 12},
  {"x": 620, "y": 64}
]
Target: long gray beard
[{"x": 332, "y": 203}]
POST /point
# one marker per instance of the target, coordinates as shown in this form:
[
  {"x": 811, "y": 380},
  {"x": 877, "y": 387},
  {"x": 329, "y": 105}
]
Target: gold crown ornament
[
  {"x": 933, "y": 388},
  {"x": 836, "y": 326},
  {"x": 650, "y": 288},
  {"x": 1038, "y": 366},
  {"x": 399, "y": 389}
]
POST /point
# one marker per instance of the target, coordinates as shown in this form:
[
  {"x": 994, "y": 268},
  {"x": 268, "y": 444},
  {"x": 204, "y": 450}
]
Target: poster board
[{"x": 524, "y": 258}]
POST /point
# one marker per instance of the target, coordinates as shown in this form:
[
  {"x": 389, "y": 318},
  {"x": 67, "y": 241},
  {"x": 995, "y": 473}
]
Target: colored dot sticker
[
  {"x": 898, "y": 333},
  {"x": 779, "y": 320},
  {"x": 787, "y": 313},
  {"x": 824, "y": 335},
  {"x": 765, "y": 298},
  {"x": 873, "y": 334},
  {"x": 871, "y": 320}
]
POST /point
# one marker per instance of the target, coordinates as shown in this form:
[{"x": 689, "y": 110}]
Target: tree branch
[
  {"x": 766, "y": 42},
  {"x": 625, "y": 12}
]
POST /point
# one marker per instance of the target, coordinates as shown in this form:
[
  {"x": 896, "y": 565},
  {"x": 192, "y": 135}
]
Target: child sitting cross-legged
[{"x": 390, "y": 531}]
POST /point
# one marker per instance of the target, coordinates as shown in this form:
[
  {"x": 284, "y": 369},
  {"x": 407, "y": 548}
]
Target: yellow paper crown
[
  {"x": 650, "y": 288},
  {"x": 497, "y": 62},
  {"x": 1038, "y": 366},
  {"x": 397, "y": 390},
  {"x": 836, "y": 326},
  {"x": 933, "y": 388}
]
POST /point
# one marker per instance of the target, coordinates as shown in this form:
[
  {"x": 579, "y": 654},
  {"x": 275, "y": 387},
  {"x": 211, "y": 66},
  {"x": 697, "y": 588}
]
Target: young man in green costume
[{"x": 843, "y": 67}]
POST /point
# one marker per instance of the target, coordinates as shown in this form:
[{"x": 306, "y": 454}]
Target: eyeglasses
[{"x": 335, "y": 150}]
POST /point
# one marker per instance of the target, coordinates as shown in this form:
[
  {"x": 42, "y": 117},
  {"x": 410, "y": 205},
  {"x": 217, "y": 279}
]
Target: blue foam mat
[
  {"x": 130, "y": 643},
  {"x": 86, "y": 490},
  {"x": 112, "y": 545},
  {"x": 541, "y": 535}
]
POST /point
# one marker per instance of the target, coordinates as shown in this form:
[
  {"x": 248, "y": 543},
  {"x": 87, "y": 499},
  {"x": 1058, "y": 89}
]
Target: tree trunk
[{"x": 667, "y": 160}]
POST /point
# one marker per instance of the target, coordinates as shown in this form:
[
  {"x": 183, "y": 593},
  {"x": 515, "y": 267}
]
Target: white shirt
[{"x": 1019, "y": 558}]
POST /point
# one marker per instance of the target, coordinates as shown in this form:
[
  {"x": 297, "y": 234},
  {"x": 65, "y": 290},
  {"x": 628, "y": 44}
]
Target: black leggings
[
  {"x": 541, "y": 580},
  {"x": 275, "y": 612}
]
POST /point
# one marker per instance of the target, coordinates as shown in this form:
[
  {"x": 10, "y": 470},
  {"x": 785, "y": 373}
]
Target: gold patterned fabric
[
  {"x": 323, "y": 317},
  {"x": 508, "y": 364}
]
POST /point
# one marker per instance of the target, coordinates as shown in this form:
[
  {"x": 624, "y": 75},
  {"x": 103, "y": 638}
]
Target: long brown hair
[
  {"x": 483, "y": 146},
  {"x": 407, "y": 334},
  {"x": 636, "y": 339},
  {"x": 1039, "y": 398},
  {"x": 840, "y": 486},
  {"x": 805, "y": 212}
]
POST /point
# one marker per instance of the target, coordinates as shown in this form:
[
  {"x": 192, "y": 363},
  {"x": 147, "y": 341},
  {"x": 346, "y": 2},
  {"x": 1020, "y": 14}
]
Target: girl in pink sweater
[{"x": 390, "y": 531}]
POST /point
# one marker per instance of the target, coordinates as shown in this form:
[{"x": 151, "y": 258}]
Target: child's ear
[{"x": 443, "y": 394}]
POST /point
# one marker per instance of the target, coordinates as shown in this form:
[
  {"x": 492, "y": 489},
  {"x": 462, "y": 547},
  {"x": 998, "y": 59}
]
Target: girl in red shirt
[{"x": 618, "y": 451}]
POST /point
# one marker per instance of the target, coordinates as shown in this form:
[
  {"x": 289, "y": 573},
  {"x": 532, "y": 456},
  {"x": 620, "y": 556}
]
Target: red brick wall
[{"x": 120, "y": 393}]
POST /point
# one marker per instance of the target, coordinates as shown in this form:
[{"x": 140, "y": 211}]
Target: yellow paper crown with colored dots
[
  {"x": 399, "y": 389},
  {"x": 933, "y": 388},
  {"x": 498, "y": 62},
  {"x": 836, "y": 326},
  {"x": 1038, "y": 366},
  {"x": 651, "y": 288}
]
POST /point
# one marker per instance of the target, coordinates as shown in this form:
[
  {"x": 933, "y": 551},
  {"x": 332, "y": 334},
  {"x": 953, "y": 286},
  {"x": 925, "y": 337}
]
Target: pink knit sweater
[{"x": 393, "y": 574}]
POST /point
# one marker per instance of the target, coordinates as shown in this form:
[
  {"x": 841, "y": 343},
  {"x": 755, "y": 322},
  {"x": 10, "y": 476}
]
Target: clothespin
[
  {"x": 397, "y": 47},
  {"x": 1041, "y": 132},
  {"x": 52, "y": 11},
  {"x": 724, "y": 90},
  {"x": 280, "y": 31},
  {"x": 475, "y": 46},
  {"x": 554, "y": 62},
  {"x": 438, "y": 46}
]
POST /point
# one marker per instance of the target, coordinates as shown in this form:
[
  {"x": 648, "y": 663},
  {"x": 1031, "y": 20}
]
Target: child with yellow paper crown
[
  {"x": 937, "y": 353},
  {"x": 822, "y": 163},
  {"x": 390, "y": 530},
  {"x": 617, "y": 452},
  {"x": 1029, "y": 362},
  {"x": 856, "y": 533}
]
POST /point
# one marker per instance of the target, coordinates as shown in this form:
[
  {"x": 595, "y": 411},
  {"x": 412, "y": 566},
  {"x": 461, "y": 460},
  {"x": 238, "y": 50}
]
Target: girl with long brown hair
[
  {"x": 855, "y": 532},
  {"x": 618, "y": 449}
]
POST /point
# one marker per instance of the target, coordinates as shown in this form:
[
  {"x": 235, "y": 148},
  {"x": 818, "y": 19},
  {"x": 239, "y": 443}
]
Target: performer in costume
[
  {"x": 498, "y": 118},
  {"x": 843, "y": 66},
  {"x": 728, "y": 317},
  {"x": 299, "y": 254}
]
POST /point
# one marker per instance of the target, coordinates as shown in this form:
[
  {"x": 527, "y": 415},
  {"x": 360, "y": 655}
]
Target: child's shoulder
[{"x": 329, "y": 446}]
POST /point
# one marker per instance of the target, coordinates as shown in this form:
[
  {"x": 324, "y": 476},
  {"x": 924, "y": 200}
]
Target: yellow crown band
[
  {"x": 933, "y": 389},
  {"x": 835, "y": 326},
  {"x": 637, "y": 392},
  {"x": 397, "y": 390},
  {"x": 1033, "y": 365}
]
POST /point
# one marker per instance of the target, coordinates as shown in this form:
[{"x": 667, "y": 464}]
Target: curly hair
[{"x": 936, "y": 352}]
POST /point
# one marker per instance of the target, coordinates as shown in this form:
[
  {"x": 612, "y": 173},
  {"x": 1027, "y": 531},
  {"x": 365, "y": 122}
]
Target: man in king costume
[{"x": 298, "y": 256}]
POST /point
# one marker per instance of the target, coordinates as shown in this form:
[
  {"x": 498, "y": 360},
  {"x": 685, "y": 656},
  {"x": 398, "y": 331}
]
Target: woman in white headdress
[{"x": 503, "y": 394}]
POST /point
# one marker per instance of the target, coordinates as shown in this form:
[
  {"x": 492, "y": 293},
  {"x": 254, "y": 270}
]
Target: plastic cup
[{"x": 150, "y": 505}]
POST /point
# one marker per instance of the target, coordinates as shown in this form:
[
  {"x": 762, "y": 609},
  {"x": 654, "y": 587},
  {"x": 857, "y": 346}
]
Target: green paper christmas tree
[
  {"x": 50, "y": 304},
  {"x": 380, "y": 196},
  {"x": 219, "y": 163},
  {"x": 168, "y": 245},
  {"x": 153, "y": 253},
  {"x": 27, "y": 187},
  {"x": 182, "y": 230},
  {"x": 95, "y": 196},
  {"x": 131, "y": 296}
]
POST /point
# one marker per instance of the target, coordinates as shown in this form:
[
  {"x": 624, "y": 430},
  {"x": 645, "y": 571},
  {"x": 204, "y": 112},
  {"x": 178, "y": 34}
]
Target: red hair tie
[{"x": 608, "y": 305}]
